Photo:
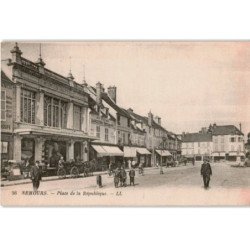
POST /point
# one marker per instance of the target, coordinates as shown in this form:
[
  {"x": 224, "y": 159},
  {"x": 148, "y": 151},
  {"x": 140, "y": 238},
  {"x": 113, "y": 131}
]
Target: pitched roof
[
  {"x": 111, "y": 103},
  {"x": 226, "y": 130},
  {"x": 197, "y": 137}
]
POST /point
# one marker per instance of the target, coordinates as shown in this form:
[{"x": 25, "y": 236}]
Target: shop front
[
  {"x": 136, "y": 155},
  {"x": 163, "y": 156},
  {"x": 106, "y": 154},
  {"x": 49, "y": 145},
  {"x": 219, "y": 156}
]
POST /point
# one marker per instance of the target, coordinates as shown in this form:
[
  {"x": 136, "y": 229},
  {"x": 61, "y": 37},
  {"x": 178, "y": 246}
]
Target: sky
[{"x": 188, "y": 84}]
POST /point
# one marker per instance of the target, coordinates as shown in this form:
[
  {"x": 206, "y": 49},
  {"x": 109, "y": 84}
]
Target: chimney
[
  {"x": 159, "y": 120},
  {"x": 112, "y": 92},
  {"x": 130, "y": 110},
  {"x": 99, "y": 90},
  {"x": 240, "y": 126},
  {"x": 150, "y": 119},
  {"x": 16, "y": 54}
]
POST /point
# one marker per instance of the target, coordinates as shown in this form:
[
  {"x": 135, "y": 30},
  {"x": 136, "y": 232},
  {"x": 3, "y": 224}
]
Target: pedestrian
[
  {"x": 99, "y": 180},
  {"x": 123, "y": 177},
  {"x": 116, "y": 177},
  {"x": 132, "y": 177},
  {"x": 206, "y": 172},
  {"x": 36, "y": 175}
]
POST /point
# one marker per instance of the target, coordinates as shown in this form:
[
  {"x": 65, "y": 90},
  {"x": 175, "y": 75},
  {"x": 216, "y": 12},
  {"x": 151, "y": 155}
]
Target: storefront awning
[
  {"x": 233, "y": 154},
  {"x": 143, "y": 151},
  {"x": 129, "y": 152},
  {"x": 100, "y": 150},
  {"x": 163, "y": 152},
  {"x": 113, "y": 151}
]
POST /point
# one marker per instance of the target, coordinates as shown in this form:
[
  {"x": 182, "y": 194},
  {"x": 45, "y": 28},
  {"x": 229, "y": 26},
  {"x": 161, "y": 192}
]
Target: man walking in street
[
  {"x": 132, "y": 176},
  {"x": 206, "y": 172},
  {"x": 36, "y": 176}
]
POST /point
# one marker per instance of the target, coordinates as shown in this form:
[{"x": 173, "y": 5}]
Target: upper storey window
[{"x": 28, "y": 101}]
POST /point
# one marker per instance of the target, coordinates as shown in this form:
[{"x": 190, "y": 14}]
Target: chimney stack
[
  {"x": 99, "y": 90},
  {"x": 150, "y": 119},
  {"x": 112, "y": 93},
  {"x": 240, "y": 126}
]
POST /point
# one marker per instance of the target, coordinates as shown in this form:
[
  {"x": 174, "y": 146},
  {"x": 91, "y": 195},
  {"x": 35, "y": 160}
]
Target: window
[
  {"x": 239, "y": 139},
  {"x": 232, "y": 147},
  {"x": 118, "y": 120},
  {"x": 77, "y": 117},
  {"x": 3, "y": 105},
  {"x": 55, "y": 112},
  {"x": 222, "y": 147},
  {"x": 98, "y": 130},
  {"x": 63, "y": 114},
  {"x": 232, "y": 139},
  {"x": 106, "y": 134},
  {"x": 123, "y": 137},
  {"x": 28, "y": 106}
]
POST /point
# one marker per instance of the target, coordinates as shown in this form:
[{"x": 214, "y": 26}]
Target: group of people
[{"x": 120, "y": 177}]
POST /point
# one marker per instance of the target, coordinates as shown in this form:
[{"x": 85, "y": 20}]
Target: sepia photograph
[{"x": 125, "y": 123}]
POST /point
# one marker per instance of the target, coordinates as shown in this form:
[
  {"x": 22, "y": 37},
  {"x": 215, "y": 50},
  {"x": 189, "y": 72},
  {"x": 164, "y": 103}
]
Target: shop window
[
  {"x": 28, "y": 150},
  {"x": 28, "y": 106},
  {"x": 77, "y": 117},
  {"x": 3, "y": 105},
  {"x": 54, "y": 150},
  {"x": 98, "y": 130},
  {"x": 106, "y": 134}
]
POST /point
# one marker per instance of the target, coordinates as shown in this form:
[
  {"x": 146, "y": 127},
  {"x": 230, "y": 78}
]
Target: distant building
[
  {"x": 197, "y": 145},
  {"x": 228, "y": 142},
  {"x": 217, "y": 142},
  {"x": 247, "y": 146}
]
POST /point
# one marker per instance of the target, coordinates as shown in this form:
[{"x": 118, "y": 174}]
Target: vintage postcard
[{"x": 125, "y": 123}]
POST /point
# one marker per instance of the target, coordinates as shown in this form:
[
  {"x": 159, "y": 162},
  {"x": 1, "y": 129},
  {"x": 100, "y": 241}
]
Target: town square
[{"x": 59, "y": 134}]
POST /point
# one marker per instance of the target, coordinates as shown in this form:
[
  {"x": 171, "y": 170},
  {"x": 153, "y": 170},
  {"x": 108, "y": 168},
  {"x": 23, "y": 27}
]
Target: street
[{"x": 181, "y": 185}]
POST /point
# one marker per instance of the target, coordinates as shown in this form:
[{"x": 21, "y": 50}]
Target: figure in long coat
[{"x": 206, "y": 172}]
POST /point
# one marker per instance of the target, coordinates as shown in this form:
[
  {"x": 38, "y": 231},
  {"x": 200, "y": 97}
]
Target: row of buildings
[
  {"x": 45, "y": 115},
  {"x": 215, "y": 142}
]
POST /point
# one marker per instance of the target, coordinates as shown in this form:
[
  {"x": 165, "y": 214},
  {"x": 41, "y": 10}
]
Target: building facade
[
  {"x": 197, "y": 146},
  {"x": 228, "y": 142},
  {"x": 7, "y": 112},
  {"x": 50, "y": 113},
  {"x": 216, "y": 142}
]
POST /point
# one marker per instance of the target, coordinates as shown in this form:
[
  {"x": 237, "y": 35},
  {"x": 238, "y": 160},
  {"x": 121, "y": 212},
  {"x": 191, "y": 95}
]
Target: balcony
[{"x": 33, "y": 129}]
